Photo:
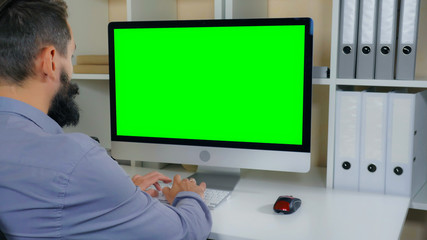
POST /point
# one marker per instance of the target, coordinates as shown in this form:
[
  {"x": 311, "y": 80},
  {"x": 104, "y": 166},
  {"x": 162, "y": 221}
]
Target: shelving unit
[
  {"x": 382, "y": 83},
  {"x": 138, "y": 10},
  {"x": 151, "y": 10},
  {"x": 321, "y": 81},
  {"x": 326, "y": 21},
  {"x": 420, "y": 200},
  {"x": 91, "y": 77},
  {"x": 246, "y": 8}
]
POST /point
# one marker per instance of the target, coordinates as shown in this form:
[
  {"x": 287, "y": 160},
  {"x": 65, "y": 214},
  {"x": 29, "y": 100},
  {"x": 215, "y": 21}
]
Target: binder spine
[
  {"x": 373, "y": 142},
  {"x": 386, "y": 39},
  {"x": 400, "y": 144},
  {"x": 347, "y": 147},
  {"x": 408, "y": 34},
  {"x": 347, "y": 47},
  {"x": 365, "y": 65}
]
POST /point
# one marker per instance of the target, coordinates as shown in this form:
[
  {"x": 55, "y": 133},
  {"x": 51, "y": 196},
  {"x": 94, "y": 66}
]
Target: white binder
[
  {"x": 407, "y": 40},
  {"x": 347, "y": 46},
  {"x": 365, "y": 66},
  {"x": 347, "y": 140},
  {"x": 419, "y": 160},
  {"x": 373, "y": 139},
  {"x": 386, "y": 39},
  {"x": 406, "y": 164}
]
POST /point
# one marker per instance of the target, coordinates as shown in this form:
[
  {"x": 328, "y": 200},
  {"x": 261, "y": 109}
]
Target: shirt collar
[{"x": 31, "y": 113}]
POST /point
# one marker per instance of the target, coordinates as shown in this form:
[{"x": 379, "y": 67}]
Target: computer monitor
[{"x": 217, "y": 93}]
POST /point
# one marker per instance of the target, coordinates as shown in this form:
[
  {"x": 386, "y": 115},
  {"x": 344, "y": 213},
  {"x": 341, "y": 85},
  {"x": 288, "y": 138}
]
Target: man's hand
[
  {"x": 147, "y": 180},
  {"x": 181, "y": 185}
]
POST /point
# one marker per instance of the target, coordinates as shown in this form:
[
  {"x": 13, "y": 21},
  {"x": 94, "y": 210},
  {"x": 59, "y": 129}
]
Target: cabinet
[
  {"x": 420, "y": 200},
  {"x": 89, "y": 20}
]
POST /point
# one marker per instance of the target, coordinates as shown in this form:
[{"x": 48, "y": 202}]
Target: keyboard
[{"x": 213, "y": 197}]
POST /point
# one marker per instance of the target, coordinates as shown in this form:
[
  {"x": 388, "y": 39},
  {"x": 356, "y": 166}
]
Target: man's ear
[{"x": 48, "y": 62}]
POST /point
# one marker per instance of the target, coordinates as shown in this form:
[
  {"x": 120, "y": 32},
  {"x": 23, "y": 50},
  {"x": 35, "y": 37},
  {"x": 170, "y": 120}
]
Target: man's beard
[{"x": 64, "y": 109}]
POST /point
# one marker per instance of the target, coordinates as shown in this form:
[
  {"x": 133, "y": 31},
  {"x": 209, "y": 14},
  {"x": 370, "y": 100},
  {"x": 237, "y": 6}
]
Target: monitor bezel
[{"x": 307, "y": 22}]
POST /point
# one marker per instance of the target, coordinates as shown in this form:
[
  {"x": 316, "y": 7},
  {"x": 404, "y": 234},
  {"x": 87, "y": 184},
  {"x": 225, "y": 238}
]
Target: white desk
[{"x": 324, "y": 213}]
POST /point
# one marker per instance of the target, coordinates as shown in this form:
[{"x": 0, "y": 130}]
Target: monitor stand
[{"x": 217, "y": 177}]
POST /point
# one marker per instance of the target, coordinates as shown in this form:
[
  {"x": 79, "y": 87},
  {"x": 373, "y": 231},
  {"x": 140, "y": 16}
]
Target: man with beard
[{"x": 65, "y": 186}]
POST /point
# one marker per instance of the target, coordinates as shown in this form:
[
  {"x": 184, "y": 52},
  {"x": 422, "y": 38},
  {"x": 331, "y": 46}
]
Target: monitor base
[{"x": 217, "y": 178}]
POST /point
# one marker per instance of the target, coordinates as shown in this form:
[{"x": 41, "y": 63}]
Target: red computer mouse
[{"x": 286, "y": 204}]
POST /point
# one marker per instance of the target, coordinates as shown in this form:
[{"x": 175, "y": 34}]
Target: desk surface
[{"x": 324, "y": 213}]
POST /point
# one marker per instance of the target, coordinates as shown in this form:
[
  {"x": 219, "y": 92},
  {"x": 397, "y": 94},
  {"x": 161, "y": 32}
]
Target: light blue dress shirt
[{"x": 55, "y": 185}]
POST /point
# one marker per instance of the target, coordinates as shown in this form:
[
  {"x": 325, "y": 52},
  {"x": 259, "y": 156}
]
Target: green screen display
[{"x": 239, "y": 83}]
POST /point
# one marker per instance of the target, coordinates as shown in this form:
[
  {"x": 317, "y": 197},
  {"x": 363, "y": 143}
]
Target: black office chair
[{"x": 2, "y": 237}]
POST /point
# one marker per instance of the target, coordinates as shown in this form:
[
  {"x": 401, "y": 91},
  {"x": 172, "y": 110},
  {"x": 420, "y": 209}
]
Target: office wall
[
  {"x": 195, "y": 9},
  {"x": 117, "y": 10}
]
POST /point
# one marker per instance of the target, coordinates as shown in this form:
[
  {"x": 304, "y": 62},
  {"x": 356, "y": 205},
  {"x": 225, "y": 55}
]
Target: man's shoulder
[
  {"x": 78, "y": 140},
  {"x": 57, "y": 152},
  {"x": 71, "y": 146}
]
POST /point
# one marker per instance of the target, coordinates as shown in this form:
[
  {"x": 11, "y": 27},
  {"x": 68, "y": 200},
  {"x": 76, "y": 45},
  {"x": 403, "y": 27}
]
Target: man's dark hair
[{"x": 26, "y": 27}]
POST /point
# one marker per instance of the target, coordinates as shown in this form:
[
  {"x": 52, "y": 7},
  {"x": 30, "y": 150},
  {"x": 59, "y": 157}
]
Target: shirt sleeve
[{"x": 101, "y": 202}]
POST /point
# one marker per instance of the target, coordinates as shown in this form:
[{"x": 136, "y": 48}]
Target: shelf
[
  {"x": 383, "y": 83},
  {"x": 420, "y": 200},
  {"x": 316, "y": 81},
  {"x": 101, "y": 77},
  {"x": 321, "y": 81}
]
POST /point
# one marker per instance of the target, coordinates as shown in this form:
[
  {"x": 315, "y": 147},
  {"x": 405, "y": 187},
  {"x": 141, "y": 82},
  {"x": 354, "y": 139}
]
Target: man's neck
[{"x": 26, "y": 94}]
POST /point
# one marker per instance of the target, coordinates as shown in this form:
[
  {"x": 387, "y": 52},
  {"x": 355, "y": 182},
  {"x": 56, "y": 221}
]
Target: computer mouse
[{"x": 286, "y": 204}]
